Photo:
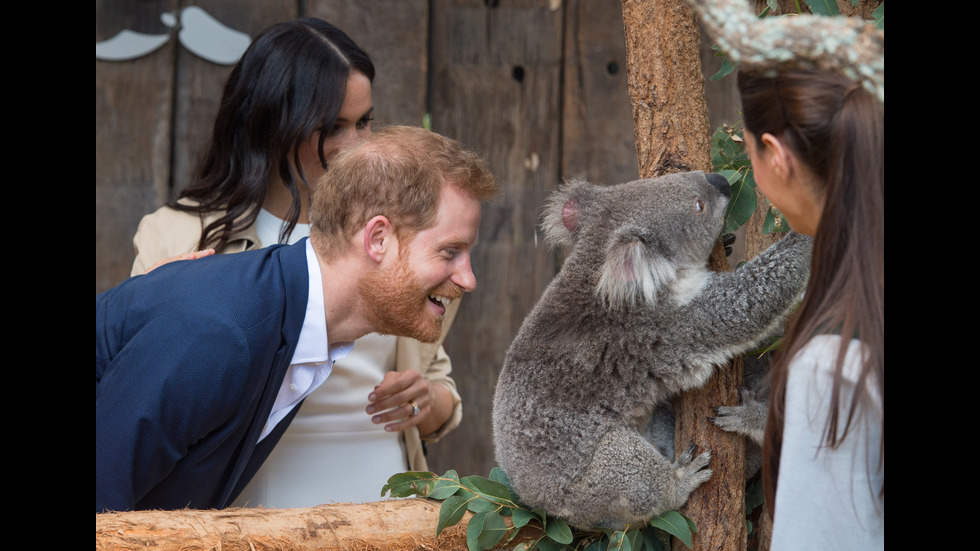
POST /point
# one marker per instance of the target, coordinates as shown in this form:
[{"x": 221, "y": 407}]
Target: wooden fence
[{"x": 537, "y": 86}]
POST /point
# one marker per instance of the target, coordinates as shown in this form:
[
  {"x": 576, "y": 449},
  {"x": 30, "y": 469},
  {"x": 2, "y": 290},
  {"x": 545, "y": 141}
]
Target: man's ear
[{"x": 379, "y": 238}]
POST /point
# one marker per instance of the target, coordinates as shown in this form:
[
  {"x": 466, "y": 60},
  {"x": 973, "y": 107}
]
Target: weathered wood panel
[
  {"x": 395, "y": 33},
  {"x": 133, "y": 112},
  {"x": 497, "y": 88},
  {"x": 597, "y": 122}
]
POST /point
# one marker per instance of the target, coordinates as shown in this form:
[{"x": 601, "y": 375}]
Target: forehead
[
  {"x": 357, "y": 102},
  {"x": 457, "y": 219}
]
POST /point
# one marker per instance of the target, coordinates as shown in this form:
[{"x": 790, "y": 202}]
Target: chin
[{"x": 398, "y": 303}]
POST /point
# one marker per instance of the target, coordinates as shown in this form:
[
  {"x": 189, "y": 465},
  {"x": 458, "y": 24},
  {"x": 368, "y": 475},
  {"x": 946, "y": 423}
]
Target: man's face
[{"x": 409, "y": 297}]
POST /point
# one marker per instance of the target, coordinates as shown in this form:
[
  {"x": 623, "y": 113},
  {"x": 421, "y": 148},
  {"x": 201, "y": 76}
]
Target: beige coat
[{"x": 167, "y": 233}]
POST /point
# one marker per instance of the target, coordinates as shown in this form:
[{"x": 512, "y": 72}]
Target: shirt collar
[{"x": 312, "y": 346}]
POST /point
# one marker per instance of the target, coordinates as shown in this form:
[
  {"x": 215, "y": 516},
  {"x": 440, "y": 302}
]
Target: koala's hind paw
[{"x": 748, "y": 419}]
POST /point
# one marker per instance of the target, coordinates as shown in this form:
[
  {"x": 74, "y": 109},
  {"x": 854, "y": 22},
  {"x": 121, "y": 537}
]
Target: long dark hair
[
  {"x": 837, "y": 129},
  {"x": 291, "y": 82}
]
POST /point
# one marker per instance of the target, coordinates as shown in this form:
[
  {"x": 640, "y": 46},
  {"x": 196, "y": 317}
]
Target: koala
[{"x": 633, "y": 318}]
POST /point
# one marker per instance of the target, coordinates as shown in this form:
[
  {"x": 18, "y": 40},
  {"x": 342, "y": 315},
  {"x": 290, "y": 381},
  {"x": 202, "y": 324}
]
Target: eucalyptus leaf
[
  {"x": 558, "y": 530},
  {"x": 480, "y": 504},
  {"x": 499, "y": 475},
  {"x": 522, "y": 516},
  {"x": 774, "y": 222},
  {"x": 490, "y": 489},
  {"x": 484, "y": 530},
  {"x": 727, "y": 67},
  {"x": 653, "y": 541},
  {"x": 619, "y": 542},
  {"x": 674, "y": 524},
  {"x": 408, "y": 484},
  {"x": 545, "y": 544},
  {"x": 446, "y": 486},
  {"x": 879, "y": 16},
  {"x": 450, "y": 512},
  {"x": 823, "y": 7},
  {"x": 741, "y": 206}
]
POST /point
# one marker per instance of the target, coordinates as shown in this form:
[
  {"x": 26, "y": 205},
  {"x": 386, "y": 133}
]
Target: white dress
[
  {"x": 828, "y": 498},
  {"x": 331, "y": 452}
]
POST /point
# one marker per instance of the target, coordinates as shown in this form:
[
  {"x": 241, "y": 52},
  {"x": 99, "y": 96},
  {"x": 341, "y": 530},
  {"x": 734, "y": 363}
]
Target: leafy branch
[
  {"x": 492, "y": 500},
  {"x": 728, "y": 157}
]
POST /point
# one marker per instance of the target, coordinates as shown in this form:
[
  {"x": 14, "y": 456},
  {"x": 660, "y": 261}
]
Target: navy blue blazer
[{"x": 188, "y": 362}]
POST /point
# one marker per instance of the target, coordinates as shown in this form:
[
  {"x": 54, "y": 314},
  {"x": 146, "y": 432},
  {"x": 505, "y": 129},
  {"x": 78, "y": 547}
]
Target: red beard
[{"x": 398, "y": 303}]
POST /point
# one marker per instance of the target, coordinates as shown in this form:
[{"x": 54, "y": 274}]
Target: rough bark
[
  {"x": 670, "y": 121},
  {"x": 406, "y": 524},
  {"x": 672, "y": 135}
]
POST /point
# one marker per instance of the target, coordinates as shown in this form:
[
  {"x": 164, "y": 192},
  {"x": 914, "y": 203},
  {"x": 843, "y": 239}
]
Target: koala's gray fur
[{"x": 633, "y": 318}]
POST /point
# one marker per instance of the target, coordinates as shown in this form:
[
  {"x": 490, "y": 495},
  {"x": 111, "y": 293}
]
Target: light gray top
[{"x": 828, "y": 498}]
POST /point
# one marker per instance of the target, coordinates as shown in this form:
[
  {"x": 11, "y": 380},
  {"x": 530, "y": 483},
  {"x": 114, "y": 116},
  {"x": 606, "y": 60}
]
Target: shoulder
[
  {"x": 819, "y": 357},
  {"x": 168, "y": 232},
  {"x": 163, "y": 234}
]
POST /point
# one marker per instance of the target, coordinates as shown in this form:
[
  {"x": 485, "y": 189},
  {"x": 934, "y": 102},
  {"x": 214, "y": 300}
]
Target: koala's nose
[{"x": 720, "y": 183}]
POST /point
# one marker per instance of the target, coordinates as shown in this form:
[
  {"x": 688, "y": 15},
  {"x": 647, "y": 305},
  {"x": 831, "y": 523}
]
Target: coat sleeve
[{"x": 176, "y": 381}]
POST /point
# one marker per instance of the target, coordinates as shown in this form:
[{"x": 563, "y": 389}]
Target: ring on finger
[{"x": 415, "y": 408}]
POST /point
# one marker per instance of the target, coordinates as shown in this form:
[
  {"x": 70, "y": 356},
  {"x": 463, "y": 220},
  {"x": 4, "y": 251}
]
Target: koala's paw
[
  {"x": 691, "y": 472},
  {"x": 728, "y": 240},
  {"x": 748, "y": 419}
]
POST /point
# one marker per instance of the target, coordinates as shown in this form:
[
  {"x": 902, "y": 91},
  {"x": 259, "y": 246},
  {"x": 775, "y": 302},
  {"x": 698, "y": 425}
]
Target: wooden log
[{"x": 395, "y": 525}]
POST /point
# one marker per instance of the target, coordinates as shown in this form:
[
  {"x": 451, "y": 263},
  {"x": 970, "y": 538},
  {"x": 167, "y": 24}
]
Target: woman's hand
[
  {"x": 406, "y": 399},
  {"x": 186, "y": 256}
]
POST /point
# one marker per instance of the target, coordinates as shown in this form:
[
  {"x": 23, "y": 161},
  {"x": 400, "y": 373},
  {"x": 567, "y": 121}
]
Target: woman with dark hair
[
  {"x": 817, "y": 145},
  {"x": 300, "y": 93}
]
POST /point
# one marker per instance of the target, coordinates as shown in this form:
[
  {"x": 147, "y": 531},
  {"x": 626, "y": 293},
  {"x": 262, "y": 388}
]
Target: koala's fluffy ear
[
  {"x": 634, "y": 271},
  {"x": 562, "y": 212}
]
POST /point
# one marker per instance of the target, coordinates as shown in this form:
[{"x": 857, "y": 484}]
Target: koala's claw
[
  {"x": 728, "y": 240},
  {"x": 691, "y": 473}
]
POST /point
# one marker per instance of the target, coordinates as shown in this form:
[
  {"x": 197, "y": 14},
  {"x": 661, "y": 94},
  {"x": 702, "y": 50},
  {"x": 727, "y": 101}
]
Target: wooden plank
[
  {"x": 496, "y": 85},
  {"x": 200, "y": 82},
  {"x": 133, "y": 107},
  {"x": 395, "y": 34},
  {"x": 597, "y": 124}
]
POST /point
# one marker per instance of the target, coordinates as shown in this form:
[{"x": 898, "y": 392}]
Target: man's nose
[{"x": 464, "y": 277}]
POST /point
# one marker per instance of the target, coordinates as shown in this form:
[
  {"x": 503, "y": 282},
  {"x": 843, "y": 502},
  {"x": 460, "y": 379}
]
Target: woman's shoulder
[
  {"x": 169, "y": 232},
  {"x": 823, "y": 350},
  {"x": 814, "y": 366},
  {"x": 165, "y": 233}
]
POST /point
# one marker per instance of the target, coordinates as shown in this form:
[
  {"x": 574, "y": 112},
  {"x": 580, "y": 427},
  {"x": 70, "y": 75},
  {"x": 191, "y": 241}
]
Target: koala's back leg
[{"x": 630, "y": 481}]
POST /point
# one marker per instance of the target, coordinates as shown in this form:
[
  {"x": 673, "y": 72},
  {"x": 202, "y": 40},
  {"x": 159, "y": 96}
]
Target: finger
[
  {"x": 418, "y": 392},
  {"x": 394, "y": 382},
  {"x": 410, "y": 421}
]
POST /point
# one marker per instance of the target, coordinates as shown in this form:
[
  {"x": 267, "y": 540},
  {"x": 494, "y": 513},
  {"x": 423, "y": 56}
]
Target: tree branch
[{"x": 848, "y": 45}]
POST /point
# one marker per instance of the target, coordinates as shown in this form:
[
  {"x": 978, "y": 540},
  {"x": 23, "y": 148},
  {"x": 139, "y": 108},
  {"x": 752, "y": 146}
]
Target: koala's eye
[{"x": 698, "y": 205}]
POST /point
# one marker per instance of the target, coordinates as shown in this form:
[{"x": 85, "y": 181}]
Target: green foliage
[
  {"x": 728, "y": 157},
  {"x": 492, "y": 499}
]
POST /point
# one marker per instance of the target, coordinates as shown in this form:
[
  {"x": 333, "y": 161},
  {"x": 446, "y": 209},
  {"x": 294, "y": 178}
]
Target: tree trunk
[
  {"x": 672, "y": 135},
  {"x": 403, "y": 524}
]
